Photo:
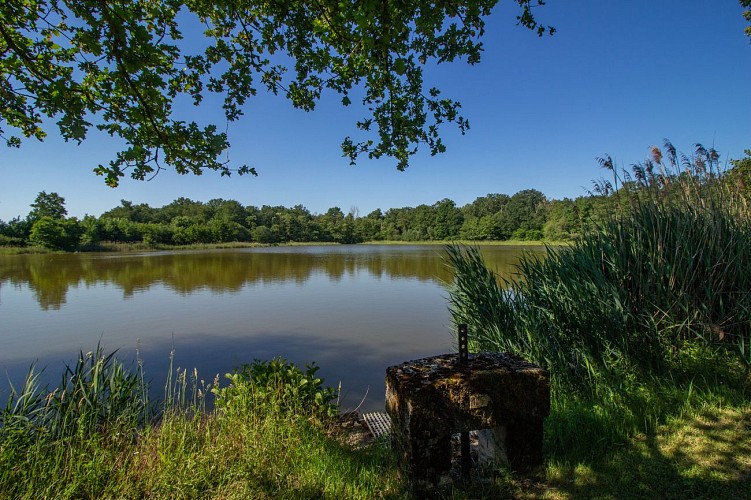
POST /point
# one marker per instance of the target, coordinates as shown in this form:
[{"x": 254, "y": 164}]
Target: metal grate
[{"x": 378, "y": 423}]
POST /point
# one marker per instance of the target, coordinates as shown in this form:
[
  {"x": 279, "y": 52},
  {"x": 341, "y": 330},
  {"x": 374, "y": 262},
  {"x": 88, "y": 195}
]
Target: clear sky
[{"x": 616, "y": 78}]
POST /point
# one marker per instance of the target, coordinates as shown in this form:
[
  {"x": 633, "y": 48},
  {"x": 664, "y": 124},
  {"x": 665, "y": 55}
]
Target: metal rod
[
  {"x": 466, "y": 458},
  {"x": 466, "y": 461},
  {"x": 463, "y": 345}
]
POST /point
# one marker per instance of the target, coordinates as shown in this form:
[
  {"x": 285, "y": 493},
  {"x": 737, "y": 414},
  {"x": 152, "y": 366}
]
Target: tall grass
[
  {"x": 652, "y": 301},
  {"x": 270, "y": 434},
  {"x": 96, "y": 392}
]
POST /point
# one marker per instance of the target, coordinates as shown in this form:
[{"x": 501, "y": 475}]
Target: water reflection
[
  {"x": 223, "y": 271},
  {"x": 354, "y": 310}
]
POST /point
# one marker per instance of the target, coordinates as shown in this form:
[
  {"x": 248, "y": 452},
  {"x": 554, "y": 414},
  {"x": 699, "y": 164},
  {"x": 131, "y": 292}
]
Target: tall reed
[
  {"x": 668, "y": 269},
  {"x": 96, "y": 392}
]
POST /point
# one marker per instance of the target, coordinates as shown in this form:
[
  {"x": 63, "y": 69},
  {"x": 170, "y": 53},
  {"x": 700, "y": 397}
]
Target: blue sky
[{"x": 616, "y": 78}]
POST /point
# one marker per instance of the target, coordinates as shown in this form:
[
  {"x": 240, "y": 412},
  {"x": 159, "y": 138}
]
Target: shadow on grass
[
  {"x": 666, "y": 442},
  {"x": 704, "y": 455}
]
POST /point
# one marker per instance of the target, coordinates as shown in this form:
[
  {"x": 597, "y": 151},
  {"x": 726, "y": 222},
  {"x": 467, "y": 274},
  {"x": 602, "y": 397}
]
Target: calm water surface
[{"x": 352, "y": 309}]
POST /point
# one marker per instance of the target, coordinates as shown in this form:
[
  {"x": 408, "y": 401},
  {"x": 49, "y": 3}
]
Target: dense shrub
[
  {"x": 157, "y": 234},
  {"x": 276, "y": 385},
  {"x": 94, "y": 437},
  {"x": 10, "y": 241},
  {"x": 57, "y": 234}
]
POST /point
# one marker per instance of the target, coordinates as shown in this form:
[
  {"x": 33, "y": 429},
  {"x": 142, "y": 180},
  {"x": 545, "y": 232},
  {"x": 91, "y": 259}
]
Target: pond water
[{"x": 354, "y": 310}]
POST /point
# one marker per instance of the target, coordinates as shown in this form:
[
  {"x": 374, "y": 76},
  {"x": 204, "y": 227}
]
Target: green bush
[
  {"x": 193, "y": 233},
  {"x": 57, "y": 234},
  {"x": 224, "y": 230},
  {"x": 10, "y": 241},
  {"x": 263, "y": 234},
  {"x": 276, "y": 385},
  {"x": 157, "y": 234}
]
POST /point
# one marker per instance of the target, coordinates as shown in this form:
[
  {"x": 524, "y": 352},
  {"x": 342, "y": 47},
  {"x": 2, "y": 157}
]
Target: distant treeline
[{"x": 527, "y": 215}]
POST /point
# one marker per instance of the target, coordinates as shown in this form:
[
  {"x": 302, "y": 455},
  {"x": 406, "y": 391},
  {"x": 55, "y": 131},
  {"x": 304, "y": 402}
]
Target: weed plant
[
  {"x": 646, "y": 314},
  {"x": 277, "y": 386}
]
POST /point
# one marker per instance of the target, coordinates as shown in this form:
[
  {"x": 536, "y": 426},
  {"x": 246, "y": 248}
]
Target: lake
[{"x": 353, "y": 309}]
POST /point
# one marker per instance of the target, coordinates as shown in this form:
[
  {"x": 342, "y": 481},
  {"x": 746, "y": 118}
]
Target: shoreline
[{"x": 142, "y": 247}]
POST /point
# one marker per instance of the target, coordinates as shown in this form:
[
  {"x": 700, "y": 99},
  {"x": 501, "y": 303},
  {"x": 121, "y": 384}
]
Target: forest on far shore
[{"x": 526, "y": 215}]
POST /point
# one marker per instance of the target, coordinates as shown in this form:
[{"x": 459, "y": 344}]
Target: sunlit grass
[
  {"x": 268, "y": 438},
  {"x": 271, "y": 435},
  {"x": 703, "y": 454}
]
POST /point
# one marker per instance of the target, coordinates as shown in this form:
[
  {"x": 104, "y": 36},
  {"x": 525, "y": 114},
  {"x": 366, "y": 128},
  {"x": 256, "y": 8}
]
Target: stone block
[{"x": 432, "y": 398}]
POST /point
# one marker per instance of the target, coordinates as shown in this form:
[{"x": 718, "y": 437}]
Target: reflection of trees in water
[{"x": 50, "y": 276}]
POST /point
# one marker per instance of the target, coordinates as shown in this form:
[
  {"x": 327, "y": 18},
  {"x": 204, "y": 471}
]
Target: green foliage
[
  {"x": 527, "y": 215},
  {"x": 276, "y": 385},
  {"x": 186, "y": 222},
  {"x": 86, "y": 439},
  {"x": 121, "y": 67},
  {"x": 17, "y": 228},
  {"x": 134, "y": 213},
  {"x": 192, "y": 233},
  {"x": 48, "y": 205},
  {"x": 48, "y": 226},
  {"x": 665, "y": 271},
  {"x": 523, "y": 217},
  {"x": 447, "y": 220},
  {"x": 740, "y": 174},
  {"x": 95, "y": 393},
  {"x": 56, "y": 234},
  {"x": 483, "y": 206},
  {"x": 263, "y": 234},
  {"x": 91, "y": 232},
  {"x": 10, "y": 241},
  {"x": 500, "y": 217},
  {"x": 98, "y": 392},
  {"x": 157, "y": 234},
  {"x": 563, "y": 221}
]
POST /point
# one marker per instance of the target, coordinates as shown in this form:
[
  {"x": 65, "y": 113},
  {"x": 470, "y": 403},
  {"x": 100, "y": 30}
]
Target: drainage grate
[{"x": 378, "y": 423}]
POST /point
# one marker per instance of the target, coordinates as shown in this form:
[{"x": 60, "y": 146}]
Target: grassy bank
[
  {"x": 25, "y": 250},
  {"x": 256, "y": 455},
  {"x": 701, "y": 453},
  {"x": 272, "y": 432}
]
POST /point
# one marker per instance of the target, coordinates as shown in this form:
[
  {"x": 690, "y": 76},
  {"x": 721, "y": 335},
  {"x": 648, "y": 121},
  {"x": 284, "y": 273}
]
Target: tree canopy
[
  {"x": 48, "y": 205},
  {"x": 121, "y": 66}
]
